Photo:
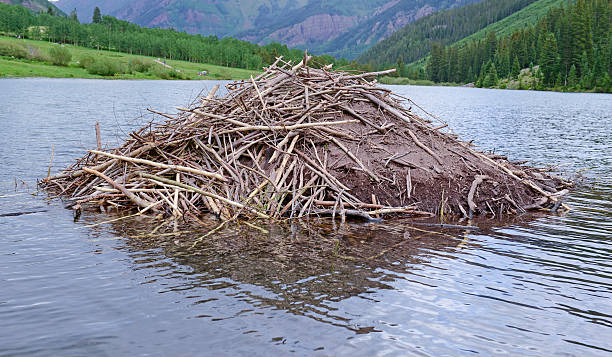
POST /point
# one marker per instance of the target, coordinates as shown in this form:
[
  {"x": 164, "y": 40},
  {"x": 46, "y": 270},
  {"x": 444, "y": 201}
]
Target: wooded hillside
[
  {"x": 570, "y": 48},
  {"x": 415, "y": 40}
]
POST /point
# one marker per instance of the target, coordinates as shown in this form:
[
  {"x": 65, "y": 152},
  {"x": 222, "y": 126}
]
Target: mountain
[
  {"x": 36, "y": 5},
  {"x": 528, "y": 15},
  {"x": 236, "y": 18},
  {"x": 383, "y": 23},
  {"x": 339, "y": 27},
  {"x": 415, "y": 40}
]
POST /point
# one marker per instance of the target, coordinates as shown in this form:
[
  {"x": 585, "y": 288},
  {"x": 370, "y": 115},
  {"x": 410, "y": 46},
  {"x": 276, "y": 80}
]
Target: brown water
[{"x": 537, "y": 286}]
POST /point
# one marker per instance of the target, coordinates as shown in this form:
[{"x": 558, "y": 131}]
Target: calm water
[{"x": 528, "y": 287}]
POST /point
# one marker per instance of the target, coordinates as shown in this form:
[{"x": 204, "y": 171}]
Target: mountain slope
[
  {"x": 339, "y": 27},
  {"x": 525, "y": 16},
  {"x": 569, "y": 48},
  {"x": 36, "y": 5},
  {"x": 309, "y": 25},
  {"x": 222, "y": 18},
  {"x": 382, "y": 24},
  {"x": 414, "y": 41}
]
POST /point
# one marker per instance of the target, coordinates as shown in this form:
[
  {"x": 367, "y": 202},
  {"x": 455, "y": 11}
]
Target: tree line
[
  {"x": 108, "y": 33},
  {"x": 570, "y": 48}
]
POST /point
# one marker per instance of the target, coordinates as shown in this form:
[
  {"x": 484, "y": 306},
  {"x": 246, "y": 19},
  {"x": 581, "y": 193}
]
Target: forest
[
  {"x": 415, "y": 40},
  {"x": 569, "y": 49},
  {"x": 108, "y": 33}
]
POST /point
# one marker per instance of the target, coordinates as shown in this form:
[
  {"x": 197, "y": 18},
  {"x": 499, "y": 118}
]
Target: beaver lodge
[{"x": 299, "y": 141}]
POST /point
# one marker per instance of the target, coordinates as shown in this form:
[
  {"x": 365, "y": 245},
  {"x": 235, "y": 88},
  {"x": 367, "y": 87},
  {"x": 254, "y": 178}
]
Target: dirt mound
[{"x": 298, "y": 141}]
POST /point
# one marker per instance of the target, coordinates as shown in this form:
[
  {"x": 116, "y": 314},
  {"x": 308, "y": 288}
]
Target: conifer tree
[
  {"x": 491, "y": 78},
  {"x": 73, "y": 15},
  {"x": 572, "y": 77},
  {"x": 516, "y": 67},
  {"x": 97, "y": 16},
  {"x": 490, "y": 46},
  {"x": 549, "y": 60}
]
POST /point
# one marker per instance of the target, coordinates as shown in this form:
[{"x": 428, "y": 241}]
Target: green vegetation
[
  {"x": 506, "y": 26},
  {"x": 121, "y": 36},
  {"x": 404, "y": 80},
  {"x": 30, "y": 58},
  {"x": 60, "y": 56},
  {"x": 415, "y": 40},
  {"x": 569, "y": 49}
]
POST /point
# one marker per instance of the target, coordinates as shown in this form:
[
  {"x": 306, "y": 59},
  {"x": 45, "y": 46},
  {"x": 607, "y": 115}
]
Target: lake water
[{"x": 539, "y": 286}]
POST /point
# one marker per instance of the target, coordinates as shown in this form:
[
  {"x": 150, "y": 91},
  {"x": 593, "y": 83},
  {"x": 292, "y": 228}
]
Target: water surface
[{"x": 527, "y": 287}]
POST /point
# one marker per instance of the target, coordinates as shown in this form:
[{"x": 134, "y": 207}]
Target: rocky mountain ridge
[
  {"x": 338, "y": 27},
  {"x": 36, "y": 5}
]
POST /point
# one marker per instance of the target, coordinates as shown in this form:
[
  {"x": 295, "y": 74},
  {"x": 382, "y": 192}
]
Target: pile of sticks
[{"x": 292, "y": 142}]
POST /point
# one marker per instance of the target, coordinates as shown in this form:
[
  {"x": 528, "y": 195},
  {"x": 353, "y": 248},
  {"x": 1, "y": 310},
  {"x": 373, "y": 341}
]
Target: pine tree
[
  {"x": 572, "y": 77},
  {"x": 437, "y": 63},
  {"x": 490, "y": 46},
  {"x": 559, "y": 80},
  {"x": 491, "y": 78},
  {"x": 453, "y": 65},
  {"x": 565, "y": 44},
  {"x": 516, "y": 67},
  {"x": 549, "y": 59},
  {"x": 73, "y": 15},
  {"x": 585, "y": 71},
  {"x": 522, "y": 52},
  {"x": 579, "y": 33},
  {"x": 400, "y": 67},
  {"x": 97, "y": 16}
]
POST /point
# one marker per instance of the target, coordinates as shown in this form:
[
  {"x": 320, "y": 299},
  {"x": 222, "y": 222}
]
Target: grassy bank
[
  {"x": 38, "y": 63},
  {"x": 413, "y": 82}
]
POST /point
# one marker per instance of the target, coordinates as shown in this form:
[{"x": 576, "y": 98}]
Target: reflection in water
[{"x": 301, "y": 267}]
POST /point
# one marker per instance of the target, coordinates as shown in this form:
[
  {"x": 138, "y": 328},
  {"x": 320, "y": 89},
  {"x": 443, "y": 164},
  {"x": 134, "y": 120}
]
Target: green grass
[
  {"x": 506, "y": 26},
  {"x": 12, "y": 67},
  {"x": 404, "y": 80}
]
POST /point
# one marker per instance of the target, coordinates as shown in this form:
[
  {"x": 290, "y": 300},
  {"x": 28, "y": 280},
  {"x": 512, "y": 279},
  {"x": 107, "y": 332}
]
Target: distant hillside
[
  {"x": 526, "y": 16},
  {"x": 36, "y": 5},
  {"x": 337, "y": 27},
  {"x": 415, "y": 40},
  {"x": 382, "y": 24},
  {"x": 568, "y": 48}
]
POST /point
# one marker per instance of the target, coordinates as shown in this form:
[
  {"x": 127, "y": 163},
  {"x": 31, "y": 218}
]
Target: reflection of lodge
[{"x": 303, "y": 267}]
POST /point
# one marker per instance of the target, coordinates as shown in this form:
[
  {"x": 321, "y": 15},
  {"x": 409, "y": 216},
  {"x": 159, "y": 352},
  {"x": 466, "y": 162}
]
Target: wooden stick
[
  {"x": 162, "y": 166},
  {"x": 100, "y": 167},
  {"x": 98, "y": 136},
  {"x": 288, "y": 127},
  {"x": 369, "y": 74},
  {"x": 364, "y": 120},
  {"x": 138, "y": 201},
  {"x": 204, "y": 193},
  {"x": 477, "y": 181},
  {"x": 387, "y": 107},
  {"x": 51, "y": 161},
  {"x": 420, "y": 144},
  {"x": 352, "y": 156}
]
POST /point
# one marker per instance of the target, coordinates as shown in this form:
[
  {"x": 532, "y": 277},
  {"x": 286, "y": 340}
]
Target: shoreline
[{"x": 424, "y": 82}]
